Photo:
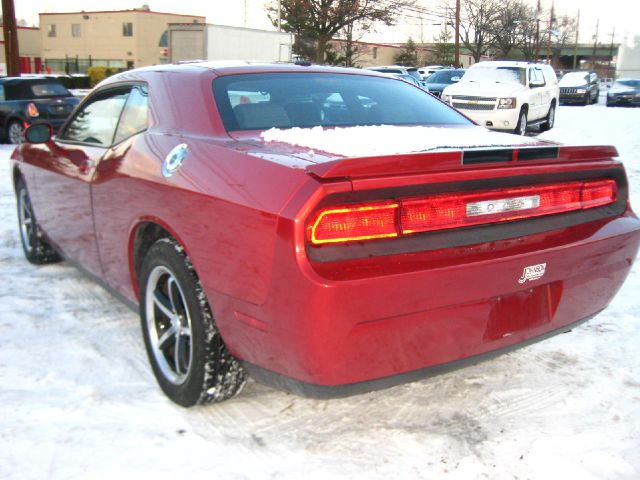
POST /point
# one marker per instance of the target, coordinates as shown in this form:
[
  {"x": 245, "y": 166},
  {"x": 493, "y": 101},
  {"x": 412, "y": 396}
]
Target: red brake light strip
[{"x": 394, "y": 218}]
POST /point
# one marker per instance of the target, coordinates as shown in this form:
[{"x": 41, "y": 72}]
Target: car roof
[
  {"x": 506, "y": 63},
  {"x": 223, "y": 68},
  {"x": 12, "y": 80}
]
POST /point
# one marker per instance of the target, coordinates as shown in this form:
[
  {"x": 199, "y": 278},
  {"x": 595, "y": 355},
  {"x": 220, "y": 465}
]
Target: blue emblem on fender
[{"x": 173, "y": 161}]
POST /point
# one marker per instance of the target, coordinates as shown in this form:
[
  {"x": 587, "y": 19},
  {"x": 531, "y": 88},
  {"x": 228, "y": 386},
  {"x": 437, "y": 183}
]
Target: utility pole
[
  {"x": 536, "y": 53},
  {"x": 575, "y": 45},
  {"x": 456, "y": 60},
  {"x": 609, "y": 69},
  {"x": 279, "y": 15},
  {"x": 549, "y": 28},
  {"x": 245, "y": 14},
  {"x": 595, "y": 45},
  {"x": 10, "y": 30}
]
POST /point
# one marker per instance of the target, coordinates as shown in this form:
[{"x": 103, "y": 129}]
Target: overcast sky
[{"x": 623, "y": 15}]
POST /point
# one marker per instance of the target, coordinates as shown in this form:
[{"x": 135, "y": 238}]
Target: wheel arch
[{"x": 143, "y": 235}]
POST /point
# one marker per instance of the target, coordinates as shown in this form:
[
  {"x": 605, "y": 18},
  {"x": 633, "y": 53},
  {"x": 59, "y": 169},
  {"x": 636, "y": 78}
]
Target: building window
[
  {"x": 127, "y": 29},
  {"x": 375, "y": 52},
  {"x": 75, "y": 30},
  {"x": 51, "y": 30}
]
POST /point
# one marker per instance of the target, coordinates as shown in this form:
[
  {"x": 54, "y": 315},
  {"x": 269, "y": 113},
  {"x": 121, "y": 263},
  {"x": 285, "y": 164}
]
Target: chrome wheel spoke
[
  {"x": 167, "y": 335},
  {"x": 163, "y": 303}
]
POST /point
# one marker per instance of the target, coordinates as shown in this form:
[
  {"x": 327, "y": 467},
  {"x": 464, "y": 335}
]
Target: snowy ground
[{"x": 78, "y": 400}]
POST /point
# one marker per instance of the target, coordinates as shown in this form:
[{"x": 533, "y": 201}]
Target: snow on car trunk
[
  {"x": 364, "y": 141},
  {"x": 79, "y": 401}
]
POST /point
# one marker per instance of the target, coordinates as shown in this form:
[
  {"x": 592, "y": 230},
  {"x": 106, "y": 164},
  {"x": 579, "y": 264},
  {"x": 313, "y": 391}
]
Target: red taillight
[
  {"x": 451, "y": 210},
  {"x": 32, "y": 110},
  {"x": 354, "y": 222}
]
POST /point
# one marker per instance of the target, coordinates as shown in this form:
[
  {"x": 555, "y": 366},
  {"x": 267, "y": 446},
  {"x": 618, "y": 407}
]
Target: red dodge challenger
[{"x": 328, "y": 231}]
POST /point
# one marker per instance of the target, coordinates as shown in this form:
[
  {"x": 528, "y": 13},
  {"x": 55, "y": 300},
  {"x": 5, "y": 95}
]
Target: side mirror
[
  {"x": 536, "y": 83},
  {"x": 38, "y": 133}
]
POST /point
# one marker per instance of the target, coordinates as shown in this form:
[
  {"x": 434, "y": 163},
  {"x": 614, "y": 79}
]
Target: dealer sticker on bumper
[{"x": 534, "y": 272}]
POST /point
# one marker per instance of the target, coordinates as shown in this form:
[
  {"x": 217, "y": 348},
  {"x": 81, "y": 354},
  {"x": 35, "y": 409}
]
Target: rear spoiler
[{"x": 415, "y": 163}]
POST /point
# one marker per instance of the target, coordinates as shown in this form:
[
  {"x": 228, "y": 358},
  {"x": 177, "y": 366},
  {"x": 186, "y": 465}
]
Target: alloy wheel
[
  {"x": 15, "y": 133},
  {"x": 169, "y": 325},
  {"x": 25, "y": 214}
]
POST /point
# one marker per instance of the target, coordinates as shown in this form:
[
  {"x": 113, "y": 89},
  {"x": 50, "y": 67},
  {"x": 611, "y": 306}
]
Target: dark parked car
[
  {"x": 579, "y": 87},
  {"x": 439, "y": 80},
  {"x": 27, "y": 100},
  {"x": 624, "y": 92},
  {"x": 189, "y": 192}
]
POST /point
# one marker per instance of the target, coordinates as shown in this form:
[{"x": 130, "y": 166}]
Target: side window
[
  {"x": 135, "y": 115},
  {"x": 96, "y": 122},
  {"x": 535, "y": 74}
]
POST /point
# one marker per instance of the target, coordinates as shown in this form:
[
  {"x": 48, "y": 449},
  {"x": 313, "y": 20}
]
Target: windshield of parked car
[
  {"x": 496, "y": 74},
  {"x": 284, "y": 100},
  {"x": 626, "y": 84},
  {"x": 574, "y": 79},
  {"x": 445, "y": 76}
]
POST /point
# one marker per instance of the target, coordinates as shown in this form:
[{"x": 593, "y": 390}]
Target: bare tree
[
  {"x": 318, "y": 21},
  {"x": 477, "y": 19},
  {"x": 510, "y": 25}
]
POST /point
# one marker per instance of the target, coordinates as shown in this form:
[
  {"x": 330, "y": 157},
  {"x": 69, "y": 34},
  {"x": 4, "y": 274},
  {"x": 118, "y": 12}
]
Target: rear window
[
  {"x": 445, "y": 76},
  {"x": 48, "y": 89},
  {"x": 285, "y": 100}
]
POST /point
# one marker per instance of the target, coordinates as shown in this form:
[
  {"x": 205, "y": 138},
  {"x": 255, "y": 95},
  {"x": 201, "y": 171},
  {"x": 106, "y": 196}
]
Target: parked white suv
[{"x": 507, "y": 95}]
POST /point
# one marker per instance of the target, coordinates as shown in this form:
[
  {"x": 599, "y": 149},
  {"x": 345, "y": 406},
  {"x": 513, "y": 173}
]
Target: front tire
[
  {"x": 36, "y": 249},
  {"x": 521, "y": 127},
  {"x": 188, "y": 357}
]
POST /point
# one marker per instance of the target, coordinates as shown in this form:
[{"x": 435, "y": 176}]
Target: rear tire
[
  {"x": 550, "y": 120},
  {"x": 36, "y": 249},
  {"x": 521, "y": 127},
  {"x": 189, "y": 359},
  {"x": 15, "y": 132}
]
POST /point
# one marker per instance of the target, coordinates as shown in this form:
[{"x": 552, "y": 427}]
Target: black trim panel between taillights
[{"x": 463, "y": 236}]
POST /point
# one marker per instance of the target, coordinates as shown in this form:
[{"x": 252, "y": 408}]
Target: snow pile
[{"x": 368, "y": 141}]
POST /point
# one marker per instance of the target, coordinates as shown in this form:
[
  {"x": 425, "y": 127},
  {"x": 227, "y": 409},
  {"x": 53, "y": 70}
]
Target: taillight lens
[
  {"x": 32, "y": 110},
  {"x": 354, "y": 222},
  {"x": 406, "y": 216}
]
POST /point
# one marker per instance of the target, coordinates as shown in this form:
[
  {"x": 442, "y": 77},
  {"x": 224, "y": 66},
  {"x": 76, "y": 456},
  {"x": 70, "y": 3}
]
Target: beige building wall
[
  {"x": 29, "y": 45},
  {"x": 124, "y": 39},
  {"x": 370, "y": 54}
]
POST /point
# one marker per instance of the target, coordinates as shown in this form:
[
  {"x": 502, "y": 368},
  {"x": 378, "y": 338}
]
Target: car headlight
[
  {"x": 581, "y": 90},
  {"x": 507, "y": 102}
]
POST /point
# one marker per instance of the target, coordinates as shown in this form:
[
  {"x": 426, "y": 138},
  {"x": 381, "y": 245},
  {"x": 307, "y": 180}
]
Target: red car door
[{"x": 63, "y": 183}]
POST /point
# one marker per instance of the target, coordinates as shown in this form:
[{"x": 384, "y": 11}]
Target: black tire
[
  {"x": 187, "y": 354},
  {"x": 15, "y": 132},
  {"x": 36, "y": 249},
  {"x": 521, "y": 127},
  {"x": 550, "y": 120},
  {"x": 587, "y": 99}
]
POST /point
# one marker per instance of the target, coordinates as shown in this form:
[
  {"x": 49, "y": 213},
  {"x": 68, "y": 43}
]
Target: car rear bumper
[
  {"x": 336, "y": 391},
  {"x": 420, "y": 311}
]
